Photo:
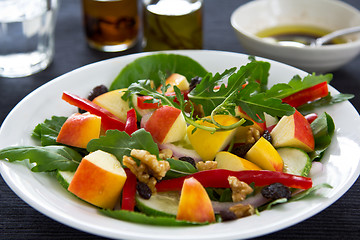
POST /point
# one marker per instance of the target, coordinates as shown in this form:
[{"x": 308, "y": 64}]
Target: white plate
[{"x": 42, "y": 192}]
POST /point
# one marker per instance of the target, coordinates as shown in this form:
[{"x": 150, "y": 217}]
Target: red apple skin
[
  {"x": 96, "y": 185},
  {"x": 161, "y": 121},
  {"x": 195, "y": 204},
  {"x": 293, "y": 131},
  {"x": 303, "y": 131},
  {"x": 79, "y": 129}
]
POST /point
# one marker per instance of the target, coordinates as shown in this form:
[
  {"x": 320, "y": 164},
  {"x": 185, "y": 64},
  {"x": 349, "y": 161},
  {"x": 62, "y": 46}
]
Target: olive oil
[
  {"x": 296, "y": 35},
  {"x": 172, "y": 24}
]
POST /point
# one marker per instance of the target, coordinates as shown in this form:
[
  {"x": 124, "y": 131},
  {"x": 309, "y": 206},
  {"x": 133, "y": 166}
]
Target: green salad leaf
[
  {"x": 296, "y": 84},
  {"x": 138, "y": 217},
  {"x": 147, "y": 68},
  {"x": 309, "y": 192},
  {"x": 120, "y": 143},
  {"x": 48, "y": 158},
  {"x": 48, "y": 131},
  {"x": 209, "y": 97},
  {"x": 325, "y": 101},
  {"x": 323, "y": 128},
  {"x": 179, "y": 168}
]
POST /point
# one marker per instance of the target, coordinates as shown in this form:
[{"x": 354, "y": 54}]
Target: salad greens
[
  {"x": 217, "y": 93},
  {"x": 148, "y": 67},
  {"x": 47, "y": 158}
]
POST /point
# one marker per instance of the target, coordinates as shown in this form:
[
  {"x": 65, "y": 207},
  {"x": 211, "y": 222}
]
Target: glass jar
[{"x": 172, "y": 24}]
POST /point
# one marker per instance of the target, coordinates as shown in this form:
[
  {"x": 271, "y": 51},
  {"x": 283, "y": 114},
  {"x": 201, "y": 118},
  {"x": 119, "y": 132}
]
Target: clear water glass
[{"x": 26, "y": 36}]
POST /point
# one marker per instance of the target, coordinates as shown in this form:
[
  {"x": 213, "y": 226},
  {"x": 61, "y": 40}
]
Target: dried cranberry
[
  {"x": 194, "y": 81},
  {"x": 143, "y": 190},
  {"x": 241, "y": 149},
  {"x": 267, "y": 136},
  {"x": 276, "y": 191},
  {"x": 97, "y": 91}
]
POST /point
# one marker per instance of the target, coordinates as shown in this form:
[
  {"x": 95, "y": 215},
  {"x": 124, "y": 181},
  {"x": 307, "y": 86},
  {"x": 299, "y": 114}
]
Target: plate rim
[{"x": 42, "y": 209}]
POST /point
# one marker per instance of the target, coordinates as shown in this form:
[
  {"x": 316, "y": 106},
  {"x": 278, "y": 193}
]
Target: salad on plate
[{"x": 169, "y": 143}]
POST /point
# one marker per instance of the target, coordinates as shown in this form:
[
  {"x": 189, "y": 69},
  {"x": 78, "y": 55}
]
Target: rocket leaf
[{"x": 46, "y": 159}]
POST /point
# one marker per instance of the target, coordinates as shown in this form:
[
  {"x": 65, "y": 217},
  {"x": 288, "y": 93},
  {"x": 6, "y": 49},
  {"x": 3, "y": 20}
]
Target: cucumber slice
[
  {"x": 160, "y": 204},
  {"x": 296, "y": 161},
  {"x": 64, "y": 178}
]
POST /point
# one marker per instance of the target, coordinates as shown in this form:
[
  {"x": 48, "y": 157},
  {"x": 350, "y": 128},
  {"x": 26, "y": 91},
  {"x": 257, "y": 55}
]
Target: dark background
[{"x": 20, "y": 221}]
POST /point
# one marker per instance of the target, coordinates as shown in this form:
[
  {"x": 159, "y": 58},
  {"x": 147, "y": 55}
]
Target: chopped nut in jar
[
  {"x": 207, "y": 165},
  {"x": 239, "y": 189}
]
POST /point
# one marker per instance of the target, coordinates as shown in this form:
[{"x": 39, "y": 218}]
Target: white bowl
[{"x": 255, "y": 16}]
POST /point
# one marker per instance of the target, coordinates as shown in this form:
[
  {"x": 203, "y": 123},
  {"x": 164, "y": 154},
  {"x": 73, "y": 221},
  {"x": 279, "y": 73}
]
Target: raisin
[
  {"x": 227, "y": 215},
  {"x": 194, "y": 81},
  {"x": 267, "y": 136},
  {"x": 143, "y": 190},
  {"x": 241, "y": 150},
  {"x": 276, "y": 191},
  {"x": 97, "y": 91},
  {"x": 189, "y": 160}
]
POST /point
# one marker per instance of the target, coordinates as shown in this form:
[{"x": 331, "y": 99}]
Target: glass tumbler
[
  {"x": 26, "y": 36},
  {"x": 111, "y": 25}
]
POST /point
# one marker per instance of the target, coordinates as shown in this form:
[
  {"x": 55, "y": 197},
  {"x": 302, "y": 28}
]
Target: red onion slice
[
  {"x": 179, "y": 151},
  {"x": 256, "y": 201}
]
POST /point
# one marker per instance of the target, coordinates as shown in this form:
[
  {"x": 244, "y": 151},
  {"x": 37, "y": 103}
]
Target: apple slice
[
  {"x": 99, "y": 179},
  {"x": 208, "y": 144},
  {"x": 178, "y": 80},
  {"x": 229, "y": 161},
  {"x": 261, "y": 126},
  {"x": 79, "y": 129},
  {"x": 195, "y": 204},
  {"x": 166, "y": 125},
  {"x": 264, "y": 155},
  {"x": 293, "y": 131},
  {"x": 113, "y": 102}
]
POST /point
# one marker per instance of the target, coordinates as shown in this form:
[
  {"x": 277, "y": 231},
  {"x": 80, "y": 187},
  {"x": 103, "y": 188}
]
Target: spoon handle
[{"x": 330, "y": 36}]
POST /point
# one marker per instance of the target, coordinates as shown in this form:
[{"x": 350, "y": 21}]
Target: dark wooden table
[{"x": 20, "y": 221}]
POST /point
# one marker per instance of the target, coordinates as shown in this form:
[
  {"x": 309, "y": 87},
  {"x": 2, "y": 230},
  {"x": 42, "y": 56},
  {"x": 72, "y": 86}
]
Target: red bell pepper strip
[
  {"x": 309, "y": 94},
  {"x": 131, "y": 122},
  {"x": 218, "y": 178},
  {"x": 108, "y": 120},
  {"x": 129, "y": 191},
  {"x": 148, "y": 105}
]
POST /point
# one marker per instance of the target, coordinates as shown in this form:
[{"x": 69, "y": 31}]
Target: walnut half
[
  {"x": 239, "y": 189},
  {"x": 150, "y": 168},
  {"x": 207, "y": 165},
  {"x": 242, "y": 210}
]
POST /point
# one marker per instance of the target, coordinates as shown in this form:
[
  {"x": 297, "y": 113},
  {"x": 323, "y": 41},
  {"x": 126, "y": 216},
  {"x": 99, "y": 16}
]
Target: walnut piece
[
  {"x": 157, "y": 168},
  {"x": 253, "y": 135},
  {"x": 207, "y": 165},
  {"x": 149, "y": 170},
  {"x": 165, "y": 153},
  {"x": 239, "y": 189},
  {"x": 242, "y": 210}
]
